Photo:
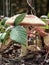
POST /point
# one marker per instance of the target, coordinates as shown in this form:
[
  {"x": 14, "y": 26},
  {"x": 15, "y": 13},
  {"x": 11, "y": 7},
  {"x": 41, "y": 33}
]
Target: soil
[{"x": 11, "y": 57}]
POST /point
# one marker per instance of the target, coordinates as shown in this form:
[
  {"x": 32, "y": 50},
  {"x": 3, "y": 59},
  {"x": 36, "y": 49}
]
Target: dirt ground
[{"x": 10, "y": 57}]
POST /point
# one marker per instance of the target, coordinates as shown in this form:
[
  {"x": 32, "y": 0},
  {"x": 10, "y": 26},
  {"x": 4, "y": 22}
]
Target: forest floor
[{"x": 10, "y": 57}]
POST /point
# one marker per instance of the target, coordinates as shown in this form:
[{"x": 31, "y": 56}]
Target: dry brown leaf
[
  {"x": 6, "y": 45},
  {"x": 33, "y": 48},
  {"x": 46, "y": 40}
]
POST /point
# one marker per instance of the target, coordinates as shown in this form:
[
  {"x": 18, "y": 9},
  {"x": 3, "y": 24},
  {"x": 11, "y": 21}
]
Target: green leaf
[
  {"x": 46, "y": 26},
  {"x": 19, "y": 35},
  {"x": 3, "y": 36},
  {"x": 4, "y": 20},
  {"x": 48, "y": 15},
  {"x": 0, "y": 36},
  {"x": 6, "y": 36},
  {"x": 19, "y": 19}
]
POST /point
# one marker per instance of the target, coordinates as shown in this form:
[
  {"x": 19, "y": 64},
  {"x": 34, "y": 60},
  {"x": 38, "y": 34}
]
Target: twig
[
  {"x": 33, "y": 9},
  {"x": 45, "y": 58}
]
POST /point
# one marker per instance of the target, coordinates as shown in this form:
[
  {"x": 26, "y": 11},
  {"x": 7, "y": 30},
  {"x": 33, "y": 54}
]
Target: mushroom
[
  {"x": 28, "y": 20},
  {"x": 32, "y": 20}
]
